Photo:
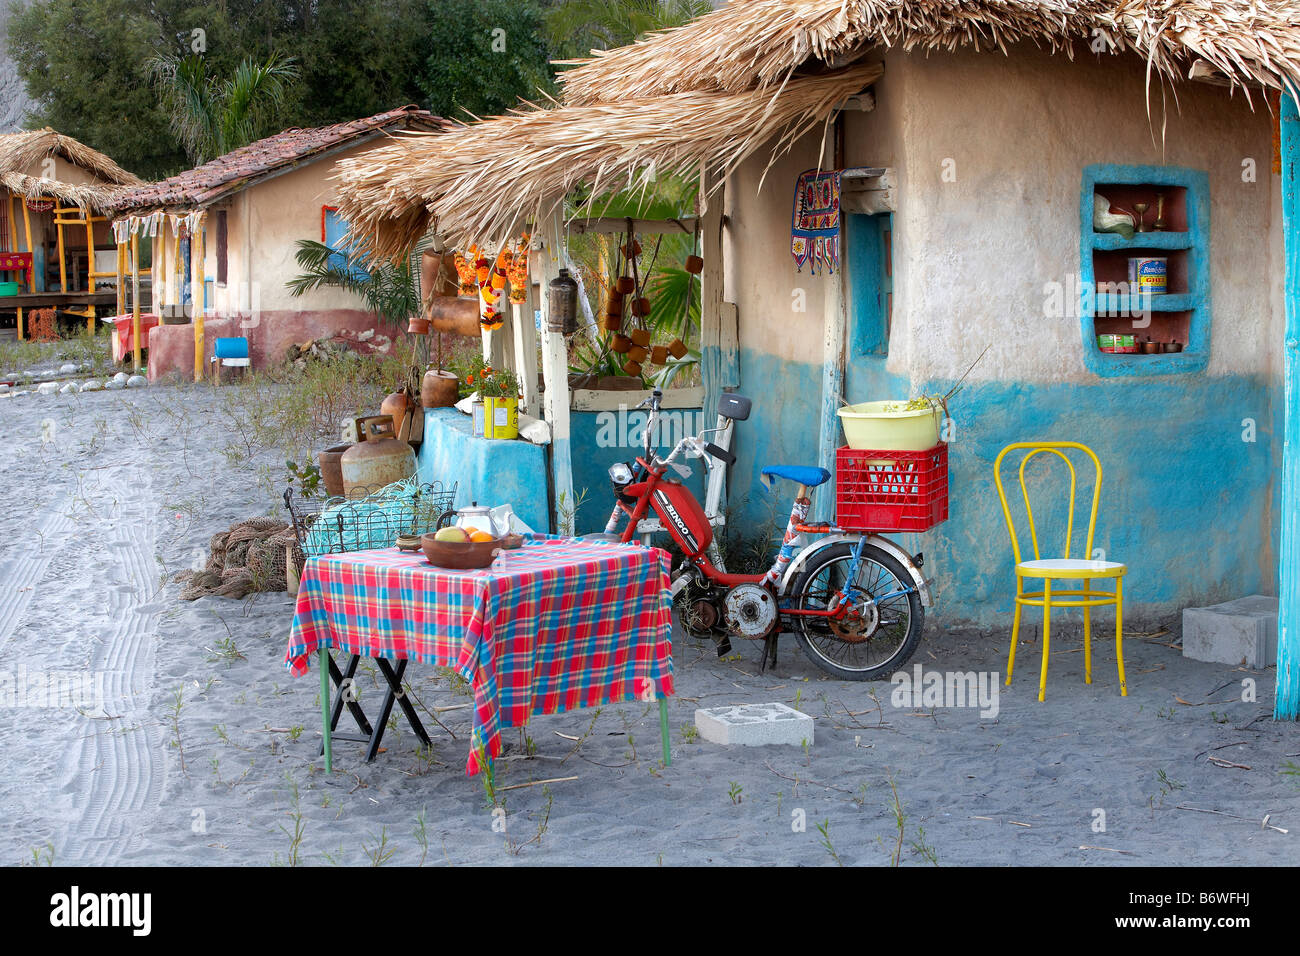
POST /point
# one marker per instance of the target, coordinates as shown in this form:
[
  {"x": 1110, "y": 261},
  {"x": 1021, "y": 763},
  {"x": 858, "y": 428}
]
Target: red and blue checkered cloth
[{"x": 557, "y": 624}]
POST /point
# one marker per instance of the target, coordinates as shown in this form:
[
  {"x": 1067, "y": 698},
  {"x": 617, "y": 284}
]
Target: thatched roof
[
  {"x": 708, "y": 94},
  {"x": 218, "y": 179},
  {"x": 19, "y": 152},
  {"x": 485, "y": 186},
  {"x": 757, "y": 42}
]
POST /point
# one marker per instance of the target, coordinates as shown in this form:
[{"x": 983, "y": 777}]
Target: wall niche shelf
[{"x": 1181, "y": 314}]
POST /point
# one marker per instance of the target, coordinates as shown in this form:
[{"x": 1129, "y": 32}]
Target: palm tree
[
  {"x": 210, "y": 115},
  {"x": 388, "y": 289}
]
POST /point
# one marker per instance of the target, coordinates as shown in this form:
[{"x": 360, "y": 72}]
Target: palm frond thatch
[
  {"x": 483, "y": 181},
  {"x": 752, "y": 43},
  {"x": 21, "y": 153}
]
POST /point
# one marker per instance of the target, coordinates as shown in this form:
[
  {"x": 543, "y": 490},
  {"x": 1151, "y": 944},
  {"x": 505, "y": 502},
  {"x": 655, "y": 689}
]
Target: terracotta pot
[
  {"x": 439, "y": 389},
  {"x": 399, "y": 406},
  {"x": 694, "y": 265},
  {"x": 331, "y": 468},
  {"x": 454, "y": 315},
  {"x": 418, "y": 326},
  {"x": 626, "y": 285}
]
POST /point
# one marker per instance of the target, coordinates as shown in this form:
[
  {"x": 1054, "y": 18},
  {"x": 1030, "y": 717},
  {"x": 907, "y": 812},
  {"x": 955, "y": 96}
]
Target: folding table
[{"x": 558, "y": 624}]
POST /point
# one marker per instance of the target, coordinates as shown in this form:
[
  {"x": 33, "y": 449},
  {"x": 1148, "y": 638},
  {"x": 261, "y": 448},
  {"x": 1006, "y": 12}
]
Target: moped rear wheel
[{"x": 881, "y": 637}]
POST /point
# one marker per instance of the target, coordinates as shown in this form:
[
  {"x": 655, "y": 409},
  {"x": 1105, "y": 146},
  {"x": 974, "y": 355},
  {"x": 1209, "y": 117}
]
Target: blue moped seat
[{"x": 800, "y": 474}]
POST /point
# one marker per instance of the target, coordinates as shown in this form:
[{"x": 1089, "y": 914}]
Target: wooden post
[
  {"x": 177, "y": 265},
  {"x": 197, "y": 253},
  {"x": 524, "y": 328},
  {"x": 63, "y": 262},
  {"x": 555, "y": 371},
  {"x": 121, "y": 276},
  {"x": 27, "y": 226},
  {"x": 135, "y": 302},
  {"x": 1286, "y": 704},
  {"x": 90, "y": 271}
]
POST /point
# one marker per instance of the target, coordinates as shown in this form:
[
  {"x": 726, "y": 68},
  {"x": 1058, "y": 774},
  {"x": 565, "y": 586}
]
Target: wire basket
[{"x": 374, "y": 520}]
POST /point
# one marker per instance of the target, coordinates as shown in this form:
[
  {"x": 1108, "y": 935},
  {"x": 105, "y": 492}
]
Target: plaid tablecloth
[{"x": 552, "y": 626}]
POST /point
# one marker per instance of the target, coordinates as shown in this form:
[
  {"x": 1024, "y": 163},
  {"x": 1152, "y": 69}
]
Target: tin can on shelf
[{"x": 1148, "y": 275}]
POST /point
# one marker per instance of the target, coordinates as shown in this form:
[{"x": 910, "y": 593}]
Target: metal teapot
[{"x": 476, "y": 518}]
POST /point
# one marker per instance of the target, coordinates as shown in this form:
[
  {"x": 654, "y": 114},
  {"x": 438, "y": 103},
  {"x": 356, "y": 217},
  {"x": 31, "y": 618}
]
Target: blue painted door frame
[{"x": 1287, "y": 702}]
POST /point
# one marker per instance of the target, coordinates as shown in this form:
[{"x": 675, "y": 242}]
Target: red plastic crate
[{"x": 891, "y": 490}]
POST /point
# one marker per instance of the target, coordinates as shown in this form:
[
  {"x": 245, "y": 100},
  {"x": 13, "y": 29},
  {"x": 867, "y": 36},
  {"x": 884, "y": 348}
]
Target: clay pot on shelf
[
  {"x": 331, "y": 468},
  {"x": 439, "y": 389}
]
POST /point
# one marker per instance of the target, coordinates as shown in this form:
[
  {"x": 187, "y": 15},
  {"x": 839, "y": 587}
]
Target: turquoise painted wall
[
  {"x": 1186, "y": 503},
  {"x": 489, "y": 472}
]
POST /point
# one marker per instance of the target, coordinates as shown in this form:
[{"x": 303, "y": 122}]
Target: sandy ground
[{"x": 205, "y": 749}]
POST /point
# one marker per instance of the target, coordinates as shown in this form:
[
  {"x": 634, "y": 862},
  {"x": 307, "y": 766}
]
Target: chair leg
[
  {"x": 1119, "y": 634},
  {"x": 1015, "y": 632},
  {"x": 1087, "y": 633},
  {"x": 1047, "y": 636}
]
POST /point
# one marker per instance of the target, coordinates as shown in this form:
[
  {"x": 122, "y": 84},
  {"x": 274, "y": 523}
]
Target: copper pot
[{"x": 439, "y": 389}]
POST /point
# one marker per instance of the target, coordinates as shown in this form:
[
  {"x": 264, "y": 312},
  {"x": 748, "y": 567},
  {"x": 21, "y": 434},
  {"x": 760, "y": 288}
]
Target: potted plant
[{"x": 499, "y": 390}]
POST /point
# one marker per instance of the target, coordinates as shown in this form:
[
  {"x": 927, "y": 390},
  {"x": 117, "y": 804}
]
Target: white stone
[
  {"x": 91, "y": 385},
  {"x": 113, "y": 384},
  {"x": 121, "y": 377},
  {"x": 47, "y": 388},
  {"x": 4, "y": 387},
  {"x": 68, "y": 369},
  {"x": 1243, "y": 631},
  {"x": 366, "y": 335},
  {"x": 752, "y": 725},
  {"x": 69, "y": 389},
  {"x": 137, "y": 381}
]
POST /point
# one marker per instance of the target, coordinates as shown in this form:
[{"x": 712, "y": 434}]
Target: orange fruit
[{"x": 481, "y": 536}]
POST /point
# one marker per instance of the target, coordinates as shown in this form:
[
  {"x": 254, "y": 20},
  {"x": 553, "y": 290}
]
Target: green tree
[
  {"x": 576, "y": 27},
  {"x": 485, "y": 57},
  {"x": 209, "y": 115}
]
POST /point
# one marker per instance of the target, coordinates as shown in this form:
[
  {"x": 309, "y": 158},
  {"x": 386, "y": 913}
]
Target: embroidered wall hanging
[{"x": 815, "y": 230}]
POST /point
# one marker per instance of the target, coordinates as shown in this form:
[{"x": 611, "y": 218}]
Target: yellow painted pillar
[
  {"x": 27, "y": 225},
  {"x": 197, "y": 252},
  {"x": 135, "y": 302},
  {"x": 90, "y": 273},
  {"x": 20, "y": 325},
  {"x": 63, "y": 265}
]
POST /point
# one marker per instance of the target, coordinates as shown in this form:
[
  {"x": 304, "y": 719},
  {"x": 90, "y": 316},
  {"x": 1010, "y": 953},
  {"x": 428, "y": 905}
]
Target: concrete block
[
  {"x": 753, "y": 725},
  {"x": 1241, "y": 631}
]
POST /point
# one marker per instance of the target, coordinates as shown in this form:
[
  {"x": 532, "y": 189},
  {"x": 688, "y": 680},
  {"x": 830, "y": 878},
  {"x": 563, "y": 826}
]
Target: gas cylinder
[{"x": 378, "y": 461}]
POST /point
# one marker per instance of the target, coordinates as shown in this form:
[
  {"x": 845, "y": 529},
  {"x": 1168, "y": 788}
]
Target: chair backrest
[
  {"x": 1032, "y": 449},
  {"x": 231, "y": 348}
]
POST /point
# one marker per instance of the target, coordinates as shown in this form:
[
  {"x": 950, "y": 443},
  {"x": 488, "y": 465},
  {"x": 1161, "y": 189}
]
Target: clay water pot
[
  {"x": 331, "y": 468},
  {"x": 399, "y": 405},
  {"x": 439, "y": 389},
  {"x": 454, "y": 315}
]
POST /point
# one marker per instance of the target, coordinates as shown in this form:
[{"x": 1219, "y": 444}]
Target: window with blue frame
[
  {"x": 334, "y": 230},
  {"x": 869, "y": 261},
  {"x": 1144, "y": 270}
]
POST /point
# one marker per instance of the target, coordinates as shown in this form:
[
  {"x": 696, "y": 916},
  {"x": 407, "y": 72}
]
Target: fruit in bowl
[{"x": 458, "y": 551}]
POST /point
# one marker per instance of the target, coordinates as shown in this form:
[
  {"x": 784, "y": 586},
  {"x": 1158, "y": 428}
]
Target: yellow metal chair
[{"x": 1065, "y": 568}]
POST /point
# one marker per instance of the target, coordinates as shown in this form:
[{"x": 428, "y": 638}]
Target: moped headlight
[{"x": 621, "y": 474}]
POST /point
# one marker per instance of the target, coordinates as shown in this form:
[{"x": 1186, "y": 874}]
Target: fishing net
[{"x": 247, "y": 558}]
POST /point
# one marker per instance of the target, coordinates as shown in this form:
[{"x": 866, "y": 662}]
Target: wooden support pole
[
  {"x": 524, "y": 328},
  {"x": 63, "y": 259},
  {"x": 555, "y": 370},
  {"x": 197, "y": 253},
  {"x": 27, "y": 226},
  {"x": 1286, "y": 704},
  {"x": 90, "y": 272},
  {"x": 135, "y": 302}
]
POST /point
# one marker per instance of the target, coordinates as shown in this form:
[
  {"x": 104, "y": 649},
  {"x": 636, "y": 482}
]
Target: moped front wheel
[{"x": 884, "y": 628}]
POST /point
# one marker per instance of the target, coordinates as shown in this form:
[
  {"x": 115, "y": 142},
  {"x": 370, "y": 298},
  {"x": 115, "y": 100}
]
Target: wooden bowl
[{"x": 459, "y": 555}]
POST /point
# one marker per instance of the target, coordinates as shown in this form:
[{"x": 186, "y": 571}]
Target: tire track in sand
[{"x": 118, "y": 773}]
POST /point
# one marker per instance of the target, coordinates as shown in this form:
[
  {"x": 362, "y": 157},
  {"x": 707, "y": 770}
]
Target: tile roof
[{"x": 227, "y": 174}]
